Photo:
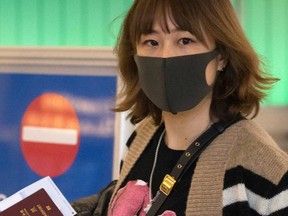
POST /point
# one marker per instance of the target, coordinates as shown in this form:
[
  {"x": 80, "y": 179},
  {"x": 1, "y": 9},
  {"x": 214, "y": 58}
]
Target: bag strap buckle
[{"x": 167, "y": 184}]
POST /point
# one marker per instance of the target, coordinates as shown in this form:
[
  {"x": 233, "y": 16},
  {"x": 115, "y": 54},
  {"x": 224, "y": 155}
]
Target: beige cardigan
[{"x": 244, "y": 143}]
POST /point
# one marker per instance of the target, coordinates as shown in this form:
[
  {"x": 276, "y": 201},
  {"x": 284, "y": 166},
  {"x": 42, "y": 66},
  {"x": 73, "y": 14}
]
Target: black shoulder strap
[{"x": 186, "y": 160}]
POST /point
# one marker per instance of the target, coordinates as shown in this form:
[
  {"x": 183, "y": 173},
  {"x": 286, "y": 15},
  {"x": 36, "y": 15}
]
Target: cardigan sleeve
[
  {"x": 248, "y": 194},
  {"x": 256, "y": 177}
]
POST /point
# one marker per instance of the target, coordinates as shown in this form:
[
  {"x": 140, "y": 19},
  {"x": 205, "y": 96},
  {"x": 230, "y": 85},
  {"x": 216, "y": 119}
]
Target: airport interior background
[{"x": 38, "y": 29}]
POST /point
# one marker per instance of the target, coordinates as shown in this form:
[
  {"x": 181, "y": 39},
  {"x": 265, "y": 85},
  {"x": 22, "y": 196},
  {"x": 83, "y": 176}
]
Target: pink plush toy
[{"x": 132, "y": 200}]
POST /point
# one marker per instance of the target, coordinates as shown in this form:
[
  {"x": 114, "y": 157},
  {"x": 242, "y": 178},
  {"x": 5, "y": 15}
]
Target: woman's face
[{"x": 177, "y": 42}]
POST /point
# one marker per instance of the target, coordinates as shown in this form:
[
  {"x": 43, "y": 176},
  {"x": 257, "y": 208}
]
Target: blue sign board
[{"x": 92, "y": 98}]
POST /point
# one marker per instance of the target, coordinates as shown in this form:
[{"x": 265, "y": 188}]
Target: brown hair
[{"x": 239, "y": 88}]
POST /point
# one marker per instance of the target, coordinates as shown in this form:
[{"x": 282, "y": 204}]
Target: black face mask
[{"x": 175, "y": 84}]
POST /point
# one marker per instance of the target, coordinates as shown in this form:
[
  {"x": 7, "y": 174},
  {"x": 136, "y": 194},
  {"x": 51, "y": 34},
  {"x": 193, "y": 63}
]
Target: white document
[{"x": 52, "y": 190}]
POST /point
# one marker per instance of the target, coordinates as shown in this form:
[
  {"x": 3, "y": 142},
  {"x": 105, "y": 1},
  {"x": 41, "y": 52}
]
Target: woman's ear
[{"x": 221, "y": 63}]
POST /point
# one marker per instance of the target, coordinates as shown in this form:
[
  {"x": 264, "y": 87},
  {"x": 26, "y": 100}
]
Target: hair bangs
[
  {"x": 178, "y": 12},
  {"x": 146, "y": 14}
]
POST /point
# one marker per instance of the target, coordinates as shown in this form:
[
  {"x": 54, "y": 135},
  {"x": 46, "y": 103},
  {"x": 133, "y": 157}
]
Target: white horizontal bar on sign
[{"x": 49, "y": 135}]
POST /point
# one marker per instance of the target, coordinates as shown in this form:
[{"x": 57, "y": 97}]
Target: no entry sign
[
  {"x": 50, "y": 135},
  {"x": 40, "y": 117}
]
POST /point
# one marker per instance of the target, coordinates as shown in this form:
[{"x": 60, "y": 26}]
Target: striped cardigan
[{"x": 242, "y": 172}]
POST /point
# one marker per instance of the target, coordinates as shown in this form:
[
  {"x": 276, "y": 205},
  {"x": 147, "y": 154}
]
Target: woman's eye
[
  {"x": 185, "y": 41},
  {"x": 151, "y": 43}
]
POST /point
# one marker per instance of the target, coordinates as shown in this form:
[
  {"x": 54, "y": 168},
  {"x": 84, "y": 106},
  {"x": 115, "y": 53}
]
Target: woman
[{"x": 185, "y": 65}]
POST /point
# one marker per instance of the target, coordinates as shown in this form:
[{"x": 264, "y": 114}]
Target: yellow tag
[{"x": 167, "y": 184}]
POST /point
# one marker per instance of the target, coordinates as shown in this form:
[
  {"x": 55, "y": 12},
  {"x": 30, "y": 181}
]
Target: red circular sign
[{"x": 50, "y": 135}]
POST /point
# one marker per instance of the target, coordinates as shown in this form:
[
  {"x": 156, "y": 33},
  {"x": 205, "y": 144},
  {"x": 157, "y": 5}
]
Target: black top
[{"x": 166, "y": 160}]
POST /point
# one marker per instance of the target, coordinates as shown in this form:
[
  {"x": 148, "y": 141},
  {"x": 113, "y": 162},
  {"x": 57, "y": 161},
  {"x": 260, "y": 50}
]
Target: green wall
[
  {"x": 60, "y": 22},
  {"x": 266, "y": 25},
  {"x": 93, "y": 23}
]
